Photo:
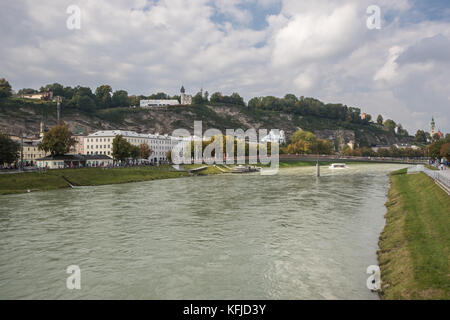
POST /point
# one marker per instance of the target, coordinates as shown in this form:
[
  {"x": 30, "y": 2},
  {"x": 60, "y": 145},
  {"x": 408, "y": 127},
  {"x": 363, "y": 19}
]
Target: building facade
[
  {"x": 100, "y": 142},
  {"x": 78, "y": 148},
  {"x": 158, "y": 103},
  {"x": 185, "y": 98},
  {"x": 30, "y": 149}
]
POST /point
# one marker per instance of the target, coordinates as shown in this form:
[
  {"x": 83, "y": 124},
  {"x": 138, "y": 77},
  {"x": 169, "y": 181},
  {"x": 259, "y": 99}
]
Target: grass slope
[
  {"x": 56, "y": 179},
  {"x": 414, "y": 246}
]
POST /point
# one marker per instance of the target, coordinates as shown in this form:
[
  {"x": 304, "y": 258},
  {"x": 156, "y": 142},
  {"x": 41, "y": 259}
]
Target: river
[{"x": 289, "y": 236}]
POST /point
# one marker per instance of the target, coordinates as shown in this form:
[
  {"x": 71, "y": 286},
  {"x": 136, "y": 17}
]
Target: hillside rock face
[
  {"x": 339, "y": 137},
  {"x": 27, "y": 118}
]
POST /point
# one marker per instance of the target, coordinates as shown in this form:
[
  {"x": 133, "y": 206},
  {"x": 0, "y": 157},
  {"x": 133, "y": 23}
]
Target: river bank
[
  {"x": 58, "y": 179},
  {"x": 415, "y": 243}
]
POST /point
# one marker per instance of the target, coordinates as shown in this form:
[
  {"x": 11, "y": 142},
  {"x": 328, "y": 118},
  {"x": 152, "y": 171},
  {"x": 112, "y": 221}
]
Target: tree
[
  {"x": 401, "y": 131},
  {"x": 85, "y": 103},
  {"x": 55, "y": 88},
  {"x": 26, "y": 91},
  {"x": 5, "y": 88},
  {"x": 420, "y": 137},
  {"x": 216, "y": 97},
  {"x": 197, "y": 99},
  {"x": 144, "y": 151},
  {"x": 305, "y": 142},
  {"x": 434, "y": 149},
  {"x": 445, "y": 151},
  {"x": 134, "y": 152},
  {"x": 120, "y": 99},
  {"x": 435, "y": 137},
  {"x": 9, "y": 149},
  {"x": 169, "y": 156},
  {"x": 380, "y": 119},
  {"x": 390, "y": 125},
  {"x": 103, "y": 96},
  {"x": 121, "y": 148},
  {"x": 58, "y": 140}
]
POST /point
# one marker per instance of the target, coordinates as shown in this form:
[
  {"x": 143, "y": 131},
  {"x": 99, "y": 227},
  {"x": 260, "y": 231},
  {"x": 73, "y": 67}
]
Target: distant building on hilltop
[
  {"x": 158, "y": 103},
  {"x": 185, "y": 98}
]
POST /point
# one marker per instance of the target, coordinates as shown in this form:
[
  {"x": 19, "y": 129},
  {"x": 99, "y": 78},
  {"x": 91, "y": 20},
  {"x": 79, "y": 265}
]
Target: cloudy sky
[{"x": 321, "y": 49}]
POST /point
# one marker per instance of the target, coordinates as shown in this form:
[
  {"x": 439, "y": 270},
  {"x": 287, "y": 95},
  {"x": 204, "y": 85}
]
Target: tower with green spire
[{"x": 433, "y": 127}]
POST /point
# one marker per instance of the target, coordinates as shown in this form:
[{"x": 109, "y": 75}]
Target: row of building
[{"x": 99, "y": 144}]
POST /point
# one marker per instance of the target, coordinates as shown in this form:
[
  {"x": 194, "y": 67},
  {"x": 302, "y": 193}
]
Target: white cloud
[{"x": 311, "y": 48}]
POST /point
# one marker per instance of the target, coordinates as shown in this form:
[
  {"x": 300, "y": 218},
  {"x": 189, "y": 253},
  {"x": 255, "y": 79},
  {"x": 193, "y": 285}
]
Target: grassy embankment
[
  {"x": 415, "y": 244},
  {"x": 57, "y": 179}
]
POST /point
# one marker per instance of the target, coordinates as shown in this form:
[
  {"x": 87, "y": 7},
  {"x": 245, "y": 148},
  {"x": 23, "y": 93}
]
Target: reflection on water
[{"x": 290, "y": 236}]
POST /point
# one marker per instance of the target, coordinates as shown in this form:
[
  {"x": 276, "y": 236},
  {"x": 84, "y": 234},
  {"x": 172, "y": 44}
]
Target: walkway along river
[{"x": 289, "y": 236}]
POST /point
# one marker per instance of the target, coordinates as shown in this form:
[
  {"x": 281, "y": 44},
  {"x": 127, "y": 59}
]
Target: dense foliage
[
  {"x": 384, "y": 152},
  {"x": 304, "y": 142},
  {"x": 439, "y": 148},
  {"x": 9, "y": 150},
  {"x": 57, "y": 141},
  {"x": 5, "y": 88}
]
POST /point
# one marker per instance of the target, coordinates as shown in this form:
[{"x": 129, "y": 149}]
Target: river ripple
[{"x": 290, "y": 236}]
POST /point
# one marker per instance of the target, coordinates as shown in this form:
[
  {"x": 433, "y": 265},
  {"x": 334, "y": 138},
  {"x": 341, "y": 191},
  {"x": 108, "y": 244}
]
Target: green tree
[
  {"x": 434, "y": 149},
  {"x": 216, "y": 97},
  {"x": 380, "y": 119},
  {"x": 401, "y": 131},
  {"x": 305, "y": 142},
  {"x": 390, "y": 125},
  {"x": 103, "y": 96},
  {"x": 144, "y": 151},
  {"x": 9, "y": 149},
  {"x": 435, "y": 137},
  {"x": 56, "y": 88},
  {"x": 197, "y": 99},
  {"x": 26, "y": 91},
  {"x": 58, "y": 140},
  {"x": 120, "y": 99},
  {"x": 134, "y": 152},
  {"x": 420, "y": 137},
  {"x": 121, "y": 148},
  {"x": 5, "y": 88},
  {"x": 85, "y": 103}
]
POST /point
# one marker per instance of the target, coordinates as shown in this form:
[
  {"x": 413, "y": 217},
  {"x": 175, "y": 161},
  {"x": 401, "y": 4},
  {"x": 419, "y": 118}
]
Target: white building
[
  {"x": 100, "y": 142},
  {"x": 160, "y": 145},
  {"x": 158, "y": 103},
  {"x": 185, "y": 98}
]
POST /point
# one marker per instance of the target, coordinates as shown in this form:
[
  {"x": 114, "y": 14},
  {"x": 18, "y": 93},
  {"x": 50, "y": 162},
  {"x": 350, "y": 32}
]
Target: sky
[{"x": 321, "y": 49}]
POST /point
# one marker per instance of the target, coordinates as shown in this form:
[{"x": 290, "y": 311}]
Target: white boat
[{"x": 338, "y": 166}]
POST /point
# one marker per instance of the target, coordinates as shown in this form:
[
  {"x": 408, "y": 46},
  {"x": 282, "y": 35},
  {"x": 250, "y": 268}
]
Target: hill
[{"x": 25, "y": 115}]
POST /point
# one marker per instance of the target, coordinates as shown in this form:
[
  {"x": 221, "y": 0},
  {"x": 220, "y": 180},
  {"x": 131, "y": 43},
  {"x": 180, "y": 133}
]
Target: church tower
[
  {"x": 185, "y": 98},
  {"x": 183, "y": 95},
  {"x": 433, "y": 127}
]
